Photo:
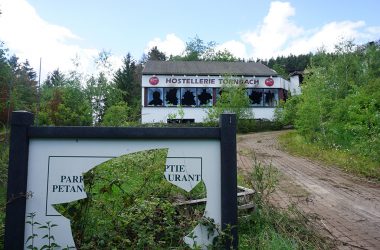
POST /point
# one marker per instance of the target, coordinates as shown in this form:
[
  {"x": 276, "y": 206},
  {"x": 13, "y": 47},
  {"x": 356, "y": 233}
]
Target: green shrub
[
  {"x": 131, "y": 205},
  {"x": 4, "y": 157},
  {"x": 339, "y": 107},
  {"x": 268, "y": 227},
  {"x": 345, "y": 159},
  {"x": 233, "y": 99},
  {"x": 286, "y": 112},
  {"x": 257, "y": 125}
]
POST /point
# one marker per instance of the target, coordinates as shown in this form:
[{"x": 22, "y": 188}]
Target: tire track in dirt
[{"x": 346, "y": 207}]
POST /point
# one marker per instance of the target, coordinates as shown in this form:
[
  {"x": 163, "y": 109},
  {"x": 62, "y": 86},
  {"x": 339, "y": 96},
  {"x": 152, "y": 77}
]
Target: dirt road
[{"x": 347, "y": 208}]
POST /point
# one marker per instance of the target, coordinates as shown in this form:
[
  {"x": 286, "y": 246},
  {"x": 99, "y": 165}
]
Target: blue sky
[{"x": 60, "y": 30}]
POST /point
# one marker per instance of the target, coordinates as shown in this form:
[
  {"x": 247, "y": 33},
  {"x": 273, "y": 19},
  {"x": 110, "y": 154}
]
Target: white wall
[
  {"x": 160, "y": 114},
  {"x": 294, "y": 86}
]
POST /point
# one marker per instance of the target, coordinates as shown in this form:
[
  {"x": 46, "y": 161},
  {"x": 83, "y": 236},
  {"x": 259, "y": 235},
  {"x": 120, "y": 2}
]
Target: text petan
[{"x": 69, "y": 184}]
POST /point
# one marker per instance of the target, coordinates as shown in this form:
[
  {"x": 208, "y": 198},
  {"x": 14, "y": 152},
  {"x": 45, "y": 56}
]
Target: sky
[{"x": 57, "y": 31}]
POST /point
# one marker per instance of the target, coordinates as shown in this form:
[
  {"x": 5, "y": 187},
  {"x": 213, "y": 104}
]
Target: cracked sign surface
[{"x": 56, "y": 170}]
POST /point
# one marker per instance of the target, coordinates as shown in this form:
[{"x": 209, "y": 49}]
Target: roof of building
[{"x": 207, "y": 68}]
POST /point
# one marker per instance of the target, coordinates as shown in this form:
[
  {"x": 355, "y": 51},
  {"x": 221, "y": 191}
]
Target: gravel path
[{"x": 346, "y": 207}]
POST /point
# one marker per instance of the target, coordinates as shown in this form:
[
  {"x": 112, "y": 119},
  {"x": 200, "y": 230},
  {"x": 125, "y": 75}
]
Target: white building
[{"x": 193, "y": 87}]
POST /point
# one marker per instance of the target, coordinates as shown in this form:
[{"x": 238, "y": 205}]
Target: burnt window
[
  {"x": 188, "y": 96},
  {"x": 155, "y": 96},
  {"x": 255, "y": 97},
  {"x": 218, "y": 93},
  {"x": 172, "y": 96},
  {"x": 270, "y": 97},
  {"x": 204, "y": 96}
]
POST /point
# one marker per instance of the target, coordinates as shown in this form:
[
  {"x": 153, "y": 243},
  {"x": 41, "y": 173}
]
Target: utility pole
[
  {"x": 9, "y": 109},
  {"x": 38, "y": 94}
]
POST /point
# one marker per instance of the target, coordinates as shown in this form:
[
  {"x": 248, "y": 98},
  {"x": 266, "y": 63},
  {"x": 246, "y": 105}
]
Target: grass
[
  {"x": 4, "y": 149},
  {"x": 3, "y": 197},
  {"x": 269, "y": 227},
  {"x": 273, "y": 228},
  {"x": 357, "y": 165}
]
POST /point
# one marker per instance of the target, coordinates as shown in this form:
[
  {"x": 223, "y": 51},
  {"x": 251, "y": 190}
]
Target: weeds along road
[{"x": 346, "y": 208}]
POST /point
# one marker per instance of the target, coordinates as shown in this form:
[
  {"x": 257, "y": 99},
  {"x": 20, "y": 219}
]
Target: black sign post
[
  {"x": 17, "y": 180},
  {"x": 22, "y": 131},
  {"x": 229, "y": 177}
]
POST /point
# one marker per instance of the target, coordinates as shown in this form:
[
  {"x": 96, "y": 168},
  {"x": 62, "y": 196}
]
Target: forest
[
  {"x": 338, "y": 108},
  {"x": 76, "y": 98}
]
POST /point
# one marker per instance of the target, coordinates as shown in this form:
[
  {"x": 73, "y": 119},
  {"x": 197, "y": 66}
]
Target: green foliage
[
  {"x": 180, "y": 114},
  {"x": 285, "y": 65},
  {"x": 268, "y": 227},
  {"x": 4, "y": 156},
  {"x": 3, "y": 198},
  {"x": 30, "y": 239},
  {"x": 252, "y": 125},
  {"x": 126, "y": 80},
  {"x": 233, "y": 99},
  {"x": 131, "y": 205},
  {"x": 102, "y": 95},
  {"x": 340, "y": 105},
  {"x": 198, "y": 50},
  {"x": 280, "y": 70},
  {"x": 49, "y": 236},
  {"x": 156, "y": 55},
  {"x": 117, "y": 115},
  {"x": 55, "y": 79},
  {"x": 347, "y": 160},
  {"x": 271, "y": 228},
  {"x": 286, "y": 112},
  {"x": 263, "y": 180},
  {"x": 64, "y": 106},
  {"x": 17, "y": 85},
  {"x": 223, "y": 56}
]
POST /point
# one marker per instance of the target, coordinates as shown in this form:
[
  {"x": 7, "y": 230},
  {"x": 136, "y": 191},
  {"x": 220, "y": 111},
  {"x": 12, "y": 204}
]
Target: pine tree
[
  {"x": 156, "y": 55},
  {"x": 125, "y": 80}
]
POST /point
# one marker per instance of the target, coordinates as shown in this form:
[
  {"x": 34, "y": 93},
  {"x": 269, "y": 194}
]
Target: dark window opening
[
  {"x": 255, "y": 97},
  {"x": 205, "y": 96},
  {"x": 154, "y": 97},
  {"x": 270, "y": 97},
  {"x": 171, "y": 97},
  {"x": 188, "y": 97}
]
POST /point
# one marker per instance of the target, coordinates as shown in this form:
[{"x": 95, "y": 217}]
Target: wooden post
[
  {"x": 227, "y": 124},
  {"x": 17, "y": 180}
]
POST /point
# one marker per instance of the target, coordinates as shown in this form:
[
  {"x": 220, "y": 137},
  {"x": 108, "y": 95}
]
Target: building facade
[{"x": 170, "y": 87}]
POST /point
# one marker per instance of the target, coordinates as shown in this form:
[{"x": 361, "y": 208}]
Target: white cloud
[
  {"x": 171, "y": 45},
  {"x": 279, "y": 35},
  {"x": 327, "y": 37},
  {"x": 235, "y": 47},
  {"x": 276, "y": 29},
  {"x": 30, "y": 37}
]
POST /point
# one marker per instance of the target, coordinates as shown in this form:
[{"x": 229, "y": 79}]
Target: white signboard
[
  {"x": 56, "y": 168},
  {"x": 212, "y": 81},
  {"x": 184, "y": 172}
]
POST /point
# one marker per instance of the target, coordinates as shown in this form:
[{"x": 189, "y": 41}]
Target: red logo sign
[
  {"x": 269, "y": 82},
  {"x": 153, "y": 80}
]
